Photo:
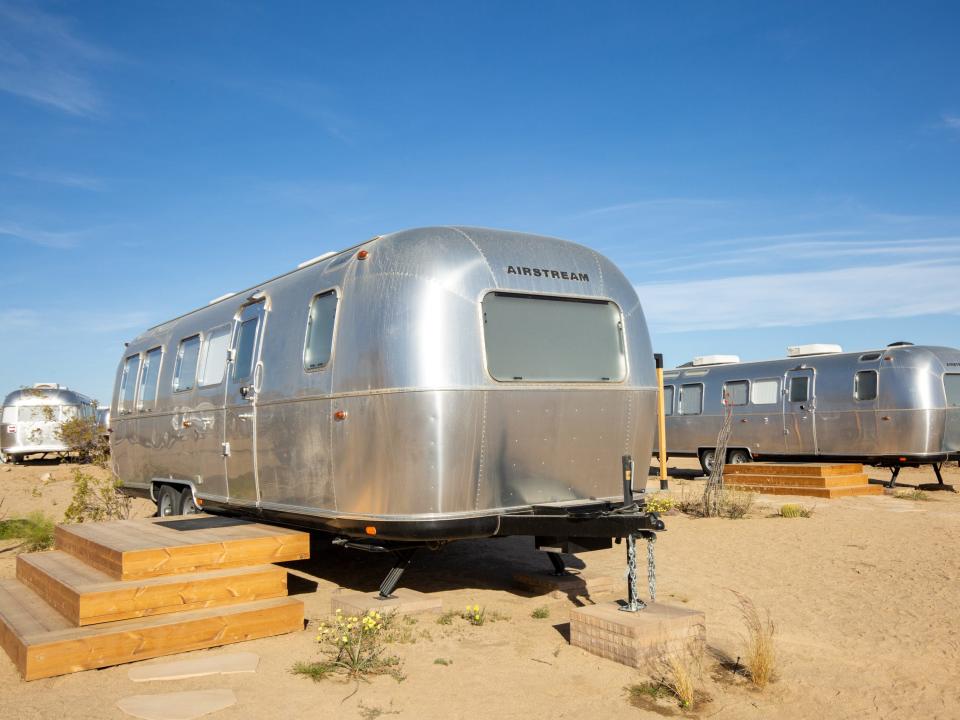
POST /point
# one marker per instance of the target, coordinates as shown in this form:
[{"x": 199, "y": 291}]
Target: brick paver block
[
  {"x": 635, "y": 638},
  {"x": 403, "y": 602},
  {"x": 572, "y": 584}
]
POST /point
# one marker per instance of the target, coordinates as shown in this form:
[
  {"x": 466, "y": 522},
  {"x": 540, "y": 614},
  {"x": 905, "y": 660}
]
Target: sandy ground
[{"x": 864, "y": 595}]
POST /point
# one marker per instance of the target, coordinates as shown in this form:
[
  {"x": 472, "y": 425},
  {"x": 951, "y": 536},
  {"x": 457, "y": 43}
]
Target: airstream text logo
[{"x": 544, "y": 272}]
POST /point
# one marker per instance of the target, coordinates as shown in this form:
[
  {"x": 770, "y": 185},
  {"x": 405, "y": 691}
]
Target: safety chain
[
  {"x": 651, "y": 569},
  {"x": 634, "y": 603}
]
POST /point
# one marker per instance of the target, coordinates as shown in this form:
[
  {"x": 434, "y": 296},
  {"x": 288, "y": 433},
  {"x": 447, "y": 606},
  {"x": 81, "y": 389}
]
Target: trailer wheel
[
  {"x": 739, "y": 457},
  {"x": 187, "y": 505},
  {"x": 168, "y": 501},
  {"x": 707, "y": 458}
]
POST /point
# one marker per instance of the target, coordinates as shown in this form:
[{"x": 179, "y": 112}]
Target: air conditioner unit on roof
[
  {"x": 715, "y": 360},
  {"x": 813, "y": 349}
]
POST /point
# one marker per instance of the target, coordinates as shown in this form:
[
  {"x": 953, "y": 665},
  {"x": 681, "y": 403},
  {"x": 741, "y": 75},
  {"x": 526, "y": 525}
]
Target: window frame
[
  {"x": 806, "y": 396},
  {"x": 699, "y": 411},
  {"x": 178, "y": 361},
  {"x": 559, "y": 297},
  {"x": 723, "y": 391},
  {"x": 335, "y": 291},
  {"x": 156, "y": 388},
  {"x": 204, "y": 350},
  {"x": 778, "y": 394},
  {"x": 122, "y": 408},
  {"x": 856, "y": 385},
  {"x": 668, "y": 409},
  {"x": 946, "y": 394}
]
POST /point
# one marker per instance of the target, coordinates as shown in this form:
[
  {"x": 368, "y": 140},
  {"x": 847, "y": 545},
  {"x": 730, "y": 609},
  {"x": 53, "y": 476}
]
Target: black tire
[
  {"x": 739, "y": 457},
  {"x": 707, "y": 458},
  {"x": 187, "y": 505},
  {"x": 168, "y": 501}
]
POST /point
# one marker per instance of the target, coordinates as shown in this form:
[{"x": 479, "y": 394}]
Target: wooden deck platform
[
  {"x": 129, "y": 590},
  {"x": 824, "y": 480}
]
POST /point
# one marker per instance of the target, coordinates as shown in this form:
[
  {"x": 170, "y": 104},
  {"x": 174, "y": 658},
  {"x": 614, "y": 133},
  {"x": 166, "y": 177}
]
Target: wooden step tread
[
  {"x": 798, "y": 480},
  {"x": 814, "y": 469},
  {"x": 42, "y": 643},
  {"x": 827, "y": 492},
  {"x": 134, "y": 549},
  {"x": 85, "y": 595}
]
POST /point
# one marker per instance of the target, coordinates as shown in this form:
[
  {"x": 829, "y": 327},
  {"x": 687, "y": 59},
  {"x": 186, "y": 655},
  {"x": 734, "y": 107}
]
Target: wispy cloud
[
  {"x": 71, "y": 180},
  {"x": 952, "y": 122},
  {"x": 803, "y": 298},
  {"x": 44, "y": 60},
  {"x": 18, "y": 318},
  {"x": 652, "y": 204},
  {"x": 60, "y": 240}
]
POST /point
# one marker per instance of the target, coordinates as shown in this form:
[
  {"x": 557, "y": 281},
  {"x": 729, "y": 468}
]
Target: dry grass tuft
[
  {"x": 915, "y": 494},
  {"x": 759, "y": 657}
]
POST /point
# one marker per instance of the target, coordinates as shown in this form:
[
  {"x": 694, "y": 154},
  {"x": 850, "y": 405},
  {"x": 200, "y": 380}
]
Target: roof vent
[
  {"x": 317, "y": 259},
  {"x": 813, "y": 349},
  {"x": 715, "y": 360},
  {"x": 47, "y": 386},
  {"x": 900, "y": 343},
  {"x": 221, "y": 297}
]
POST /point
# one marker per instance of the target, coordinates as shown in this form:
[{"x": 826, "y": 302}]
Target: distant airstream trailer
[
  {"x": 427, "y": 385},
  {"x": 897, "y": 406},
  {"x": 31, "y": 417}
]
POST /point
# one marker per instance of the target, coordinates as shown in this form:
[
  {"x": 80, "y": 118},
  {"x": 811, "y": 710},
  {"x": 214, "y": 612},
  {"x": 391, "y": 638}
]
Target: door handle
[
  {"x": 244, "y": 416},
  {"x": 245, "y": 390}
]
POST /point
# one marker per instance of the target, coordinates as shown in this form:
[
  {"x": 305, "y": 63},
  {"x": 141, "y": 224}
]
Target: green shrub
[
  {"x": 793, "y": 510},
  {"x": 659, "y": 504},
  {"x": 540, "y": 613},
  {"x": 35, "y": 530}
]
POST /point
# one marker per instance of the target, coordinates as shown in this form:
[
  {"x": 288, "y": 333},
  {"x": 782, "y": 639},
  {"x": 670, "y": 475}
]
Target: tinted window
[
  {"x": 185, "y": 371},
  {"x": 128, "y": 383},
  {"x": 148, "y": 379},
  {"x": 668, "y": 399},
  {"x": 691, "y": 399},
  {"x": 319, "y": 342},
  {"x": 865, "y": 385},
  {"x": 214, "y": 362},
  {"x": 951, "y": 383},
  {"x": 552, "y": 339},
  {"x": 765, "y": 392},
  {"x": 799, "y": 387},
  {"x": 735, "y": 393},
  {"x": 246, "y": 343}
]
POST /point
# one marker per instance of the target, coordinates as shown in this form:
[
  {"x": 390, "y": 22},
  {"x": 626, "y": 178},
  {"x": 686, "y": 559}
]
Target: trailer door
[
  {"x": 951, "y": 434},
  {"x": 799, "y": 412},
  {"x": 240, "y": 425}
]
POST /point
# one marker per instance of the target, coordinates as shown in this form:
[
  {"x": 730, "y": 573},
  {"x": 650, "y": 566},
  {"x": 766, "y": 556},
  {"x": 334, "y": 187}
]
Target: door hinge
[{"x": 226, "y": 449}]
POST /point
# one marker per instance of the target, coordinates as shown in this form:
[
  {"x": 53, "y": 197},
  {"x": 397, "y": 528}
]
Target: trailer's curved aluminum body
[
  {"x": 910, "y": 412},
  {"x": 31, "y": 418},
  {"x": 426, "y": 435}
]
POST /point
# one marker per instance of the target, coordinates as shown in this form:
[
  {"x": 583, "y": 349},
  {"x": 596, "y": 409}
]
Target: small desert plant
[
  {"x": 442, "y": 661},
  {"x": 84, "y": 436},
  {"x": 659, "y": 504},
  {"x": 540, "y": 613},
  {"x": 475, "y": 615},
  {"x": 95, "y": 499},
  {"x": 35, "y": 530},
  {"x": 677, "y": 676},
  {"x": 736, "y": 504},
  {"x": 448, "y": 617},
  {"x": 352, "y": 646},
  {"x": 759, "y": 654},
  {"x": 915, "y": 494},
  {"x": 679, "y": 679},
  {"x": 793, "y": 510}
]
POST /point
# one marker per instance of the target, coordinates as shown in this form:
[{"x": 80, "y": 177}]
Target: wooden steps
[
  {"x": 823, "y": 480},
  {"x": 128, "y": 590}
]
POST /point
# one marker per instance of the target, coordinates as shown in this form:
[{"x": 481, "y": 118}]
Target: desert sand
[{"x": 864, "y": 595}]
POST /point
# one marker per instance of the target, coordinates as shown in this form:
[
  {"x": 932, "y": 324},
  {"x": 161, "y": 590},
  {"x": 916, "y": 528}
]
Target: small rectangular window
[
  {"x": 799, "y": 389},
  {"x": 214, "y": 362},
  {"x": 865, "y": 385},
  {"x": 951, "y": 383},
  {"x": 765, "y": 392},
  {"x": 37, "y": 413},
  {"x": 691, "y": 399},
  {"x": 128, "y": 383},
  {"x": 668, "y": 400},
  {"x": 534, "y": 338},
  {"x": 185, "y": 369},
  {"x": 148, "y": 379},
  {"x": 869, "y": 357},
  {"x": 246, "y": 344},
  {"x": 9, "y": 415},
  {"x": 320, "y": 322},
  {"x": 736, "y": 392}
]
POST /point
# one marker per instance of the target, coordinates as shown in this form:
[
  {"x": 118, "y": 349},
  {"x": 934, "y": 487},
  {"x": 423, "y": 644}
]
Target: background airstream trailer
[
  {"x": 31, "y": 418},
  {"x": 431, "y": 384},
  {"x": 896, "y": 406}
]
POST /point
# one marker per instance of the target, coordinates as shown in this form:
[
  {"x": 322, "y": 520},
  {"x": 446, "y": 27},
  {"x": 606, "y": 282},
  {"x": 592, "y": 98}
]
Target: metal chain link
[
  {"x": 634, "y": 603},
  {"x": 651, "y": 569}
]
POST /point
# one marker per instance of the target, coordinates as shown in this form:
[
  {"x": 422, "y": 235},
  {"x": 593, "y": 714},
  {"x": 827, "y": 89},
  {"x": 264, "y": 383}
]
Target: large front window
[{"x": 534, "y": 338}]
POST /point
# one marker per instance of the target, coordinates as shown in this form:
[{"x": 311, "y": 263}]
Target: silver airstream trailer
[
  {"x": 424, "y": 386},
  {"x": 896, "y": 406},
  {"x": 31, "y": 417}
]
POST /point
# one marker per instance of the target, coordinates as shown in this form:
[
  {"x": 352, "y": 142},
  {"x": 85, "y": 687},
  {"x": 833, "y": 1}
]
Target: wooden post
[{"x": 661, "y": 423}]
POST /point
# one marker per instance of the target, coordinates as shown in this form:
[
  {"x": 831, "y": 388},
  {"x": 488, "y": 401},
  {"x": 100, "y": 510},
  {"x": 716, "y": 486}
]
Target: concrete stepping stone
[
  {"x": 227, "y": 664},
  {"x": 178, "y": 705}
]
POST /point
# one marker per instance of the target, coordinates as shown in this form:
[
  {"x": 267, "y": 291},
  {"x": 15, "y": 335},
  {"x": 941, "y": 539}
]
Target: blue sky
[{"x": 766, "y": 174}]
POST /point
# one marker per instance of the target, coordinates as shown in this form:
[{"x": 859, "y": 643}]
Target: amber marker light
[
  {"x": 370, "y": 530},
  {"x": 362, "y": 255},
  {"x": 340, "y": 415}
]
